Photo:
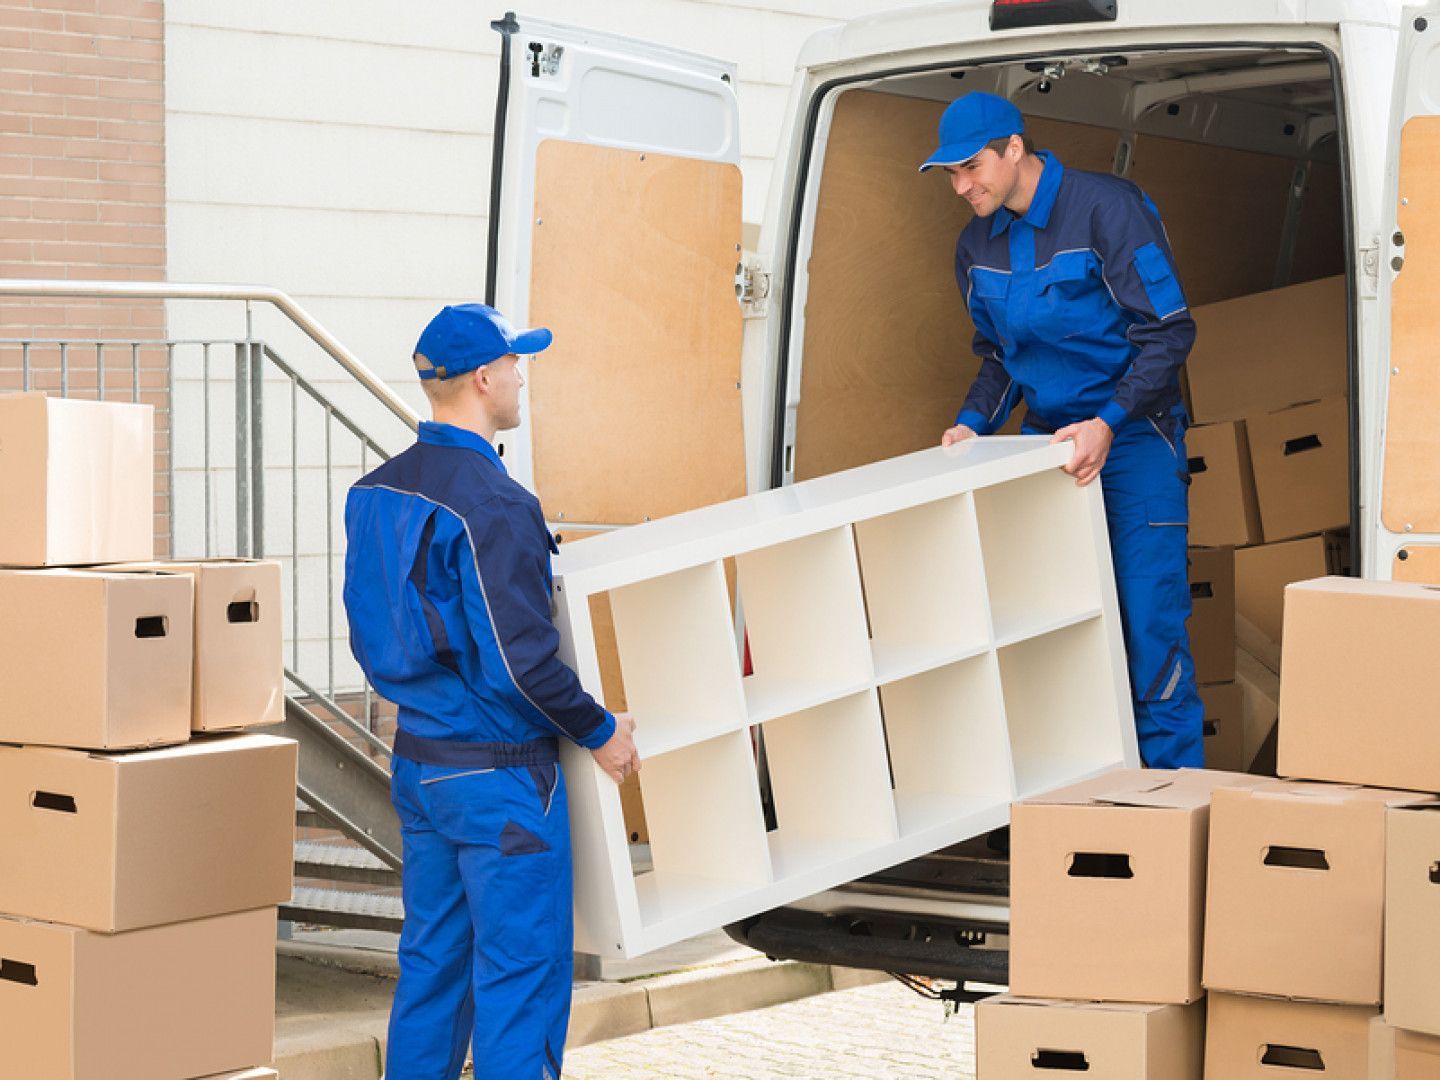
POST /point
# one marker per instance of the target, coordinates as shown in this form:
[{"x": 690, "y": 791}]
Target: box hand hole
[
  {"x": 1059, "y": 1060},
  {"x": 1300, "y": 445},
  {"x": 1201, "y": 590},
  {"x": 1197, "y": 465},
  {"x": 242, "y": 611},
  {"x": 1212, "y": 728},
  {"x": 1435, "y": 873},
  {"x": 1298, "y": 858},
  {"x": 1100, "y": 864},
  {"x": 53, "y": 800},
  {"x": 16, "y": 972},
  {"x": 1292, "y": 1057},
  {"x": 152, "y": 626}
]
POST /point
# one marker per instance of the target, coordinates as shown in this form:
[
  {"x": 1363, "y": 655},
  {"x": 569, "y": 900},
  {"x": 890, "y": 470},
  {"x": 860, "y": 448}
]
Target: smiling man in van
[{"x": 1078, "y": 311}]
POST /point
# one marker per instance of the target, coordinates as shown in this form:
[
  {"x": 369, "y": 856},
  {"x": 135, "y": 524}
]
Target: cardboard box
[
  {"x": 1259, "y": 705},
  {"x": 93, "y": 660},
  {"x": 77, "y": 481},
  {"x": 1224, "y": 727},
  {"x": 1261, "y": 574},
  {"x": 1382, "y": 1050},
  {"x": 1412, "y": 917},
  {"x": 1267, "y": 351},
  {"x": 1027, "y": 1037},
  {"x": 239, "y": 668},
  {"x": 1302, "y": 468},
  {"x": 1107, "y": 886},
  {"x": 1296, "y": 899},
  {"x": 1223, "y": 506},
  {"x": 123, "y": 841},
  {"x": 184, "y": 1000},
  {"x": 1265, "y": 1038},
  {"x": 1212, "y": 613},
  {"x": 1417, "y": 1056},
  {"x": 1377, "y": 729}
]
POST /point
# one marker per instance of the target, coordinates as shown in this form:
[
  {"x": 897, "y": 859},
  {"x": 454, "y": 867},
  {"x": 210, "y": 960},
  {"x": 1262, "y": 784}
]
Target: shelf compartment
[
  {"x": 805, "y": 622},
  {"x": 707, "y": 830},
  {"x": 924, "y": 584},
  {"x": 1063, "y": 706},
  {"x": 830, "y": 784},
  {"x": 1038, "y": 535},
  {"x": 948, "y": 744},
  {"x": 675, "y": 639}
]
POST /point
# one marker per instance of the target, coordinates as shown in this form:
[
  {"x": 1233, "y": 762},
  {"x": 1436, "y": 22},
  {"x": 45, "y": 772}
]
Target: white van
[{"x": 1284, "y": 141}]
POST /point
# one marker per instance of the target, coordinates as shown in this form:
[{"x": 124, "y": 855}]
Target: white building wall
[{"x": 340, "y": 150}]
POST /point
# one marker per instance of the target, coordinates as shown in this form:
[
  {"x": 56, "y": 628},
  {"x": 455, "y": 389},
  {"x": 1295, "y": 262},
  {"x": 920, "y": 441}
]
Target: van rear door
[
  {"x": 616, "y": 223},
  {"x": 1406, "y": 539}
]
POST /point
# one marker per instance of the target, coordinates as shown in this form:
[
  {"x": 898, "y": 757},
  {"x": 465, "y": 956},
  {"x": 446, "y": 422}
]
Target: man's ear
[{"x": 481, "y": 378}]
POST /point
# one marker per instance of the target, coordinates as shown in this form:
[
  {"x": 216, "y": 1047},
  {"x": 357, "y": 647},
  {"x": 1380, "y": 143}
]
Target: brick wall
[{"x": 82, "y": 191}]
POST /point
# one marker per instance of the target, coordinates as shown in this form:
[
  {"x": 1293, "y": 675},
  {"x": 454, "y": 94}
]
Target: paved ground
[{"x": 872, "y": 1032}]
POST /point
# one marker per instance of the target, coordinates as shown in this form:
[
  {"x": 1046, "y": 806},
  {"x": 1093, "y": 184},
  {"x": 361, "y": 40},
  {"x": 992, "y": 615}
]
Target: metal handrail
[{"x": 162, "y": 290}]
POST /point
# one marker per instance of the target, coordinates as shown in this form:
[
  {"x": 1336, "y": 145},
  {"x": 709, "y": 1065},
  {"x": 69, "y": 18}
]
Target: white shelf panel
[
  {"x": 1024, "y": 630},
  {"x": 768, "y": 698},
  {"x": 678, "y": 658},
  {"x": 803, "y": 611},
  {"x": 1066, "y": 705},
  {"x": 1042, "y": 560},
  {"x": 1046, "y": 772},
  {"x": 666, "y": 897},
  {"x": 829, "y": 779},
  {"x": 792, "y": 855},
  {"x": 946, "y": 732},
  {"x": 703, "y": 811},
  {"x": 924, "y": 812},
  {"x": 786, "y": 513},
  {"x": 894, "y": 661},
  {"x": 923, "y": 577}
]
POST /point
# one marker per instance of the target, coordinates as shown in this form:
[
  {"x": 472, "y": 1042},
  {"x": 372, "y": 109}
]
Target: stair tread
[
  {"x": 310, "y": 898},
  {"x": 324, "y": 853}
]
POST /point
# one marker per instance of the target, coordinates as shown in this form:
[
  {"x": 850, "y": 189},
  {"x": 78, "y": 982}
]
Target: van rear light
[{"x": 1011, "y": 14}]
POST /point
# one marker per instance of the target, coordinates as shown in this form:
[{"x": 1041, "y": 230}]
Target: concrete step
[
  {"x": 307, "y": 818},
  {"x": 342, "y": 861},
  {"x": 344, "y": 908}
]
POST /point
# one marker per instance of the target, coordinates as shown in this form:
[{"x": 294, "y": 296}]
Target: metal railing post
[
  {"x": 257, "y": 449},
  {"x": 241, "y": 390}
]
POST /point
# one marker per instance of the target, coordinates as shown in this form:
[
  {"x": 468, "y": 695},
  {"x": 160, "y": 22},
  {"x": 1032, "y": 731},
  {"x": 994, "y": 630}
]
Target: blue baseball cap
[
  {"x": 464, "y": 337},
  {"x": 969, "y": 123}
]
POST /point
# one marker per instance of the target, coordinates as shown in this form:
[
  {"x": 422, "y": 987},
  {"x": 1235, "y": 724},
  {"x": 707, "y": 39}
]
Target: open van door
[
  {"x": 1406, "y": 540},
  {"x": 615, "y": 221}
]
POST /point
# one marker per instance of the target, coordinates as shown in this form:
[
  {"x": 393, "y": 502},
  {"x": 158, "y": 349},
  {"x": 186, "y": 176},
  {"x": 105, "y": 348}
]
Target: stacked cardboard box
[
  {"x": 137, "y": 912},
  {"x": 1107, "y": 912},
  {"x": 1269, "y": 466},
  {"x": 1338, "y": 915}
]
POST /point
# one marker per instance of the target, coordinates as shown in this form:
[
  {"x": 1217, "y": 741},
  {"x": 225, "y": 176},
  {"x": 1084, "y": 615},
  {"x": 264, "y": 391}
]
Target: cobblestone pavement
[{"x": 870, "y": 1032}]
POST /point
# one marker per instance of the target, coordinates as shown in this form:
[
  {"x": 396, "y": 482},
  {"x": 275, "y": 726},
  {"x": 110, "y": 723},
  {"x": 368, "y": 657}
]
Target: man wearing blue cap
[
  {"x": 447, "y": 589},
  {"x": 1078, "y": 311}
]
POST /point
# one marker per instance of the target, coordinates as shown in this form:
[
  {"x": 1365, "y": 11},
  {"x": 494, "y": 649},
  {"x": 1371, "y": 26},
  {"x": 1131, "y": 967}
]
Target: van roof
[{"x": 966, "y": 22}]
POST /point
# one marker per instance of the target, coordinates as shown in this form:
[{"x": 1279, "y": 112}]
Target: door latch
[
  {"x": 543, "y": 59},
  {"x": 752, "y": 287}
]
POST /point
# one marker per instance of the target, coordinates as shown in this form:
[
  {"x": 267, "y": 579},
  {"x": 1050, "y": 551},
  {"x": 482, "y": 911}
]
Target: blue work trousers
[
  {"x": 486, "y": 950},
  {"x": 1146, "y": 487}
]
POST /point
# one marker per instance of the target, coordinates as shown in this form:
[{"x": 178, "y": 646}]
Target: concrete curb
[{"x": 350, "y": 1045}]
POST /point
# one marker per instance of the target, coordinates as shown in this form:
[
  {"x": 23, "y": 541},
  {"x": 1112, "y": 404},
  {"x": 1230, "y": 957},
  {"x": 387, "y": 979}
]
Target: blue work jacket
[
  {"x": 1076, "y": 304},
  {"x": 447, "y": 589}
]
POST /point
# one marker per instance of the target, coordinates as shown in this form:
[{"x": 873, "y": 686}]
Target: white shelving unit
[{"x": 931, "y": 637}]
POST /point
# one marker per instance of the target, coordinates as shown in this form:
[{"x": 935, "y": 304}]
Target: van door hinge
[
  {"x": 752, "y": 289},
  {"x": 543, "y": 59},
  {"x": 1370, "y": 267}
]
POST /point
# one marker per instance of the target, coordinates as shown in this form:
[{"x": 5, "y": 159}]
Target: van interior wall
[{"x": 887, "y": 343}]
